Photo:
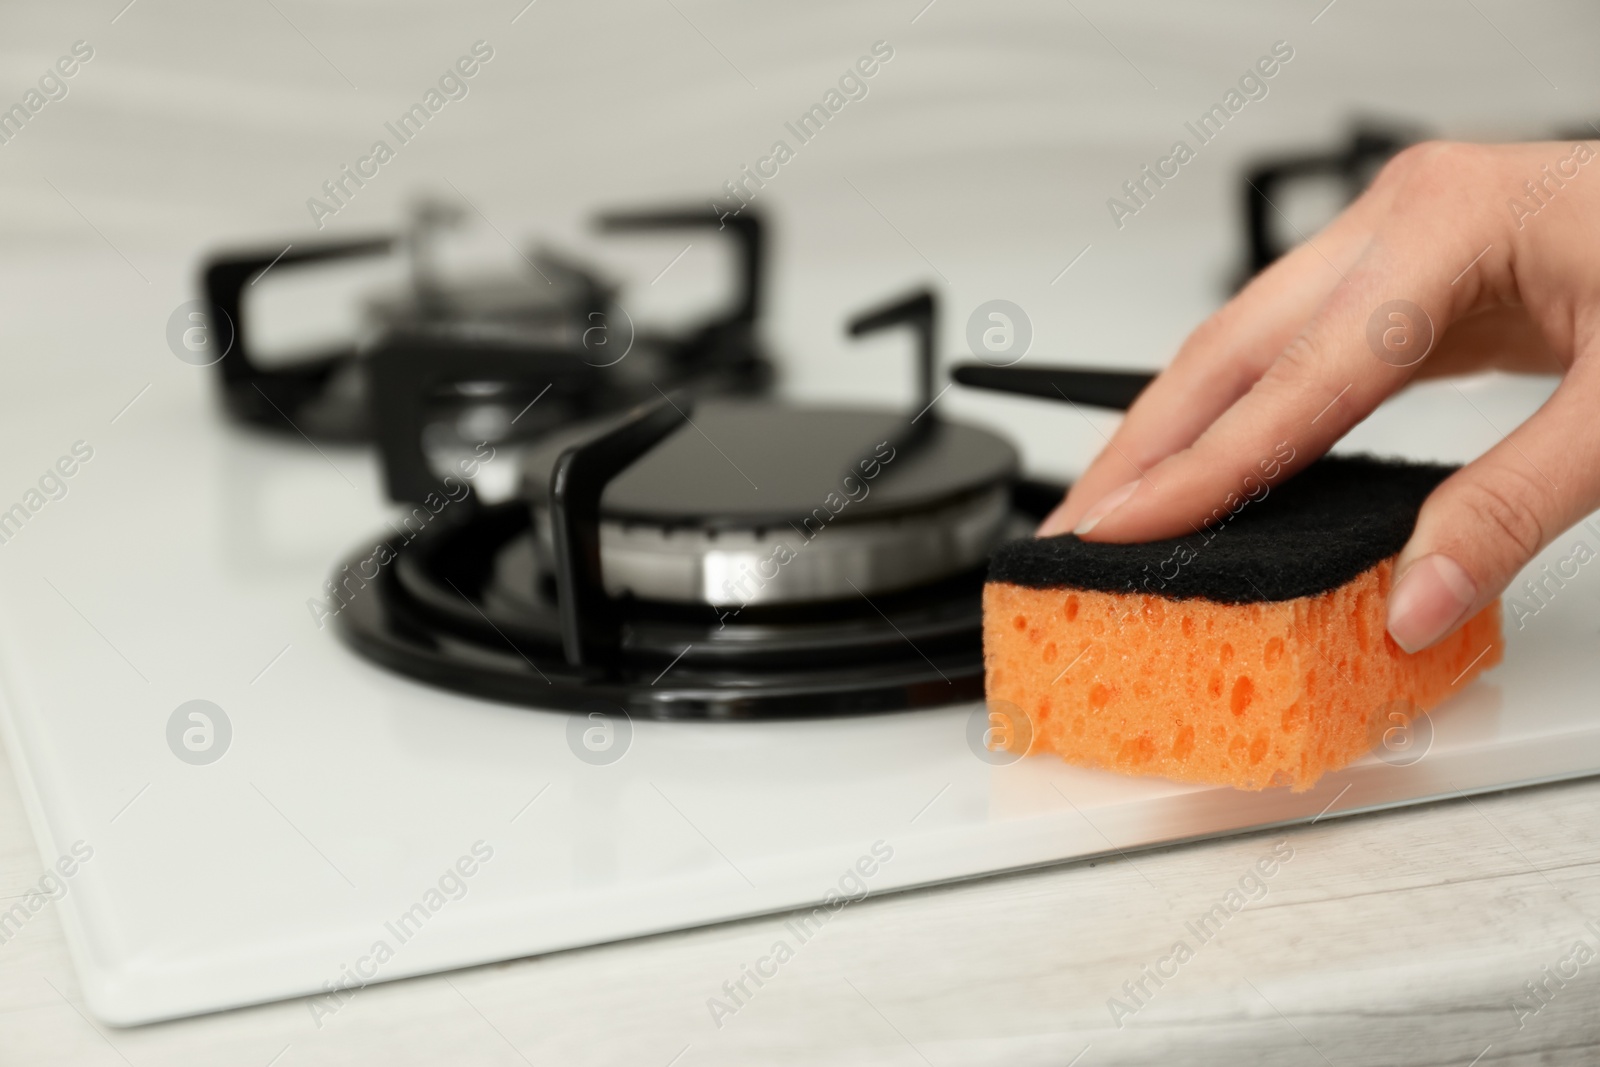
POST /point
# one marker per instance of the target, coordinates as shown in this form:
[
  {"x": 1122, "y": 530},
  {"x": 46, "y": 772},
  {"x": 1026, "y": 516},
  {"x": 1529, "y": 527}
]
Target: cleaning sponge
[{"x": 1250, "y": 654}]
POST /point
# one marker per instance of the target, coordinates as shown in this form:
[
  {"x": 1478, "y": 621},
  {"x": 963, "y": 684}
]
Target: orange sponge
[{"x": 1240, "y": 694}]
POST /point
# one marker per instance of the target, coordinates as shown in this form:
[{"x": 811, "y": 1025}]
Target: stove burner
[
  {"x": 722, "y": 560},
  {"x": 560, "y": 307}
]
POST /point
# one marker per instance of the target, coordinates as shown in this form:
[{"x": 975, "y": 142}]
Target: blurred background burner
[{"x": 561, "y": 309}]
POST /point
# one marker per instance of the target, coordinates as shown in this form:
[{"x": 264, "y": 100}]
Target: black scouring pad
[{"x": 1299, "y": 537}]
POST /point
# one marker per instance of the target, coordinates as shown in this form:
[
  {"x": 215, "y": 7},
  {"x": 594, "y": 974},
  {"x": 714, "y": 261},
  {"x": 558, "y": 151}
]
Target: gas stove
[{"x": 708, "y": 651}]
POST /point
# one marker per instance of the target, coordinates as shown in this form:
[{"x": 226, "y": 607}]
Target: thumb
[{"x": 1485, "y": 522}]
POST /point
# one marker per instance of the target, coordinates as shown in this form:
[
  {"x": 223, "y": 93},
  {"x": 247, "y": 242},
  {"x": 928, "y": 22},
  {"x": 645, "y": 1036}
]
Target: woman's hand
[{"x": 1459, "y": 258}]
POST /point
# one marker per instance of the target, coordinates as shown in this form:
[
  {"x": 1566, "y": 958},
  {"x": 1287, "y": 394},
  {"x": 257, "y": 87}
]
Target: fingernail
[
  {"x": 1428, "y": 601},
  {"x": 1108, "y": 503},
  {"x": 1051, "y": 524}
]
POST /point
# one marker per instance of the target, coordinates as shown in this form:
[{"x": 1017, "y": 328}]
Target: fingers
[
  {"x": 1499, "y": 338},
  {"x": 1224, "y": 357},
  {"x": 1486, "y": 521},
  {"x": 1360, "y": 346}
]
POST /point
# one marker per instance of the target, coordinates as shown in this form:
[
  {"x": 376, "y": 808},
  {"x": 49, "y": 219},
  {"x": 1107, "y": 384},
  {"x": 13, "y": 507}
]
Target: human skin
[{"x": 1291, "y": 358}]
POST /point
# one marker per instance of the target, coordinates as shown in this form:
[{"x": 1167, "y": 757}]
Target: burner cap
[{"x": 752, "y": 503}]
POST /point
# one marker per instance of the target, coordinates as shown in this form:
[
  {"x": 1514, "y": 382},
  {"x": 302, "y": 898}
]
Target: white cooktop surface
[{"x": 177, "y": 568}]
